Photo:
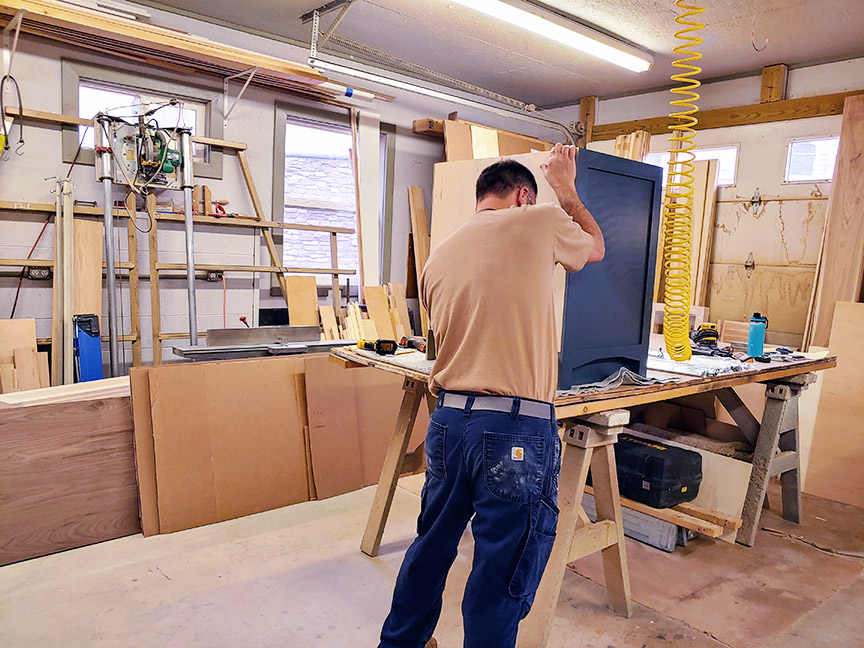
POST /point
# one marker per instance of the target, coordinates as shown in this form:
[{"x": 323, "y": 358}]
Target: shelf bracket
[{"x": 227, "y": 113}]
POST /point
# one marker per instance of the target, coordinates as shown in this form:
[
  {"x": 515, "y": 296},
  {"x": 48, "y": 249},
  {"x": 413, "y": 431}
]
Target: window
[
  {"x": 319, "y": 190},
  {"x": 88, "y": 89},
  {"x": 129, "y": 104},
  {"x": 727, "y": 157},
  {"x": 811, "y": 160}
]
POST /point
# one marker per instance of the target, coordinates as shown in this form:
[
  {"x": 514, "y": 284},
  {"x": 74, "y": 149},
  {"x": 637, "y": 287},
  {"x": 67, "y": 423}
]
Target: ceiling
[{"x": 481, "y": 50}]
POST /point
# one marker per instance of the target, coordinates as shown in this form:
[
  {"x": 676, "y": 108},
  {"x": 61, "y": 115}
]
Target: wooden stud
[
  {"x": 207, "y": 198},
  {"x": 196, "y": 199},
  {"x": 355, "y": 169},
  {"x": 155, "y": 303},
  {"x": 414, "y": 393},
  {"x": 57, "y": 298},
  {"x": 773, "y": 83},
  {"x": 44, "y": 373},
  {"x": 587, "y": 115},
  {"x": 134, "y": 283}
]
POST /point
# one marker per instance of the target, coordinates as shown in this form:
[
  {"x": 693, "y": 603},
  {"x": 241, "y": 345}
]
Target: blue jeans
[{"x": 502, "y": 469}]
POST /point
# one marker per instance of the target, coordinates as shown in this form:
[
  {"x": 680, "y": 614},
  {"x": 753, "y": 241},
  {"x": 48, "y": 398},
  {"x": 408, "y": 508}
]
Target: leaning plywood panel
[
  {"x": 302, "y": 296},
  {"x": 145, "y": 451},
  {"x": 837, "y": 452},
  {"x": 88, "y": 241},
  {"x": 16, "y": 334},
  {"x": 228, "y": 439},
  {"x": 67, "y": 476},
  {"x": 841, "y": 266}
]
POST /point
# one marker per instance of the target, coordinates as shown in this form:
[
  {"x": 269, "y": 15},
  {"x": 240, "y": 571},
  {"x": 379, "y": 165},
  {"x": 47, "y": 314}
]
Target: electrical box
[
  {"x": 607, "y": 306},
  {"x": 142, "y": 155}
]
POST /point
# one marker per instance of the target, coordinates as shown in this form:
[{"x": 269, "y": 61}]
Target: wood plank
[
  {"x": 378, "y": 307},
  {"x": 773, "y": 83},
  {"x": 302, "y": 297},
  {"x": 705, "y": 184},
  {"x": 400, "y": 302},
  {"x": 587, "y": 115},
  {"x": 67, "y": 475},
  {"x": 837, "y": 452},
  {"x": 422, "y": 240},
  {"x": 16, "y": 334},
  {"x": 484, "y": 142},
  {"x": 841, "y": 269},
  {"x": 457, "y": 141},
  {"x": 76, "y": 392},
  {"x": 715, "y": 517},
  {"x": 134, "y": 284},
  {"x": 88, "y": 267},
  {"x": 328, "y": 322},
  {"x": 801, "y": 108},
  {"x": 155, "y": 298},
  {"x": 44, "y": 374},
  {"x": 670, "y": 515},
  {"x": 26, "y": 368},
  {"x": 8, "y": 381}
]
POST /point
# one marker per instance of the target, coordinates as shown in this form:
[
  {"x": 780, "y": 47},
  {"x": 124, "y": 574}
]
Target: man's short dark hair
[{"x": 503, "y": 177}]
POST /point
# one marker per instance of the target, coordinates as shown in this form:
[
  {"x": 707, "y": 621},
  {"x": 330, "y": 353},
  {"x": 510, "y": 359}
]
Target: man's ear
[{"x": 524, "y": 197}]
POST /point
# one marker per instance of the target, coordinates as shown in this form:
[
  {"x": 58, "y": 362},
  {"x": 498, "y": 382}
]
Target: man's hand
[{"x": 560, "y": 169}]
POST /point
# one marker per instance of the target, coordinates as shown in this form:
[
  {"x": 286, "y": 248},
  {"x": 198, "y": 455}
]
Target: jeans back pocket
[
  {"x": 436, "y": 459},
  {"x": 513, "y": 466}
]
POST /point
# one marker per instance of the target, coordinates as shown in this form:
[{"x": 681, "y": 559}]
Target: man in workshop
[{"x": 492, "y": 449}]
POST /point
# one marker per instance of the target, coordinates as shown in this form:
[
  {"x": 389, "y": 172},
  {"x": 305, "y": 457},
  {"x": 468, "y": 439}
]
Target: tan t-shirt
[{"x": 488, "y": 291}]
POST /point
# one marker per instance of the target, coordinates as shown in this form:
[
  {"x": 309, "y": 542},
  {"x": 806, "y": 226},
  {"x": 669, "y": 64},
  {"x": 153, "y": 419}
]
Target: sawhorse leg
[
  {"x": 588, "y": 441},
  {"x": 415, "y": 391},
  {"x": 778, "y": 431}
]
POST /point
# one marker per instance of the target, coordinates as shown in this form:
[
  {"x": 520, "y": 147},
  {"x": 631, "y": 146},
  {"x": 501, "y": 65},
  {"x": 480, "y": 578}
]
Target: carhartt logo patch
[{"x": 517, "y": 453}]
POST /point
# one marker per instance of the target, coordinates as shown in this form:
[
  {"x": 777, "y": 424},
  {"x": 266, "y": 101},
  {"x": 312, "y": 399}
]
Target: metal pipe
[
  {"x": 105, "y": 172},
  {"x": 110, "y": 276},
  {"x": 188, "y": 183}
]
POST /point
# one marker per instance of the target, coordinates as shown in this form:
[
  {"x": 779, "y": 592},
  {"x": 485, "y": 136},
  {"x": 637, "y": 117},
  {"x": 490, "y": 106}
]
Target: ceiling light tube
[
  {"x": 435, "y": 94},
  {"x": 566, "y": 32}
]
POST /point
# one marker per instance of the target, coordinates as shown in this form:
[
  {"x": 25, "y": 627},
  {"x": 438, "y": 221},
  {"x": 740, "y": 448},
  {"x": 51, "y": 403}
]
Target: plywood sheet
[
  {"x": 484, "y": 142},
  {"x": 842, "y": 262},
  {"x": 145, "y": 450},
  {"x": 378, "y": 307},
  {"x": 837, "y": 451},
  {"x": 352, "y": 417},
  {"x": 234, "y": 449},
  {"x": 302, "y": 296},
  {"x": 457, "y": 141},
  {"x": 88, "y": 241},
  {"x": 780, "y": 293},
  {"x": 26, "y": 368},
  {"x": 16, "y": 334},
  {"x": 67, "y": 475}
]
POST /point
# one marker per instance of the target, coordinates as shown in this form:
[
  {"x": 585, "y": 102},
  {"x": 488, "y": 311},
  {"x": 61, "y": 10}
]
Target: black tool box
[{"x": 656, "y": 474}]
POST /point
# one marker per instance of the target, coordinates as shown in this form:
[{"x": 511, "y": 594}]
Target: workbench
[{"x": 591, "y": 422}]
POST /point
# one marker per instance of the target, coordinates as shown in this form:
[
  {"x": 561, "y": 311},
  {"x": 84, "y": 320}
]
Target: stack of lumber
[
  {"x": 633, "y": 146},
  {"x": 22, "y": 367},
  {"x": 468, "y": 141},
  {"x": 386, "y": 316},
  {"x": 67, "y": 470},
  {"x": 840, "y": 272}
]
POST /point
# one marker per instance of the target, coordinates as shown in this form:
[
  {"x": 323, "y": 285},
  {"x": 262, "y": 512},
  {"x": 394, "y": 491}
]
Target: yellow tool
[
  {"x": 381, "y": 347},
  {"x": 678, "y": 216}
]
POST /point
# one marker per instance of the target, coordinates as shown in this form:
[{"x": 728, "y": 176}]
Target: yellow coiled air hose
[{"x": 678, "y": 206}]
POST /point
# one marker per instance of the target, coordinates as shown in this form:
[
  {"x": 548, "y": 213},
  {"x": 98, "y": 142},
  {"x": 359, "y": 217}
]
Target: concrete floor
[{"x": 295, "y": 577}]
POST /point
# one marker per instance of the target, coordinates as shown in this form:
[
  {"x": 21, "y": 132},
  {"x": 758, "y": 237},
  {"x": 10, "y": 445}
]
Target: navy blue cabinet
[{"x": 607, "y": 306}]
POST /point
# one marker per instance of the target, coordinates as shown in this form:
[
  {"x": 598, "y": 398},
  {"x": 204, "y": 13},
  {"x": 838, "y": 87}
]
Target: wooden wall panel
[
  {"x": 780, "y": 233},
  {"x": 780, "y": 292},
  {"x": 67, "y": 476},
  {"x": 88, "y": 268}
]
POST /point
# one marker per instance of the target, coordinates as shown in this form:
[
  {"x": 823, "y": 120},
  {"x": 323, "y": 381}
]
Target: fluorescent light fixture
[
  {"x": 566, "y": 32},
  {"x": 435, "y": 94}
]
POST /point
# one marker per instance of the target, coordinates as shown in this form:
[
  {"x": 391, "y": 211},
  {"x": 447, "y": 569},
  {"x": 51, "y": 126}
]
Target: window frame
[
  {"x": 74, "y": 72},
  {"x": 793, "y": 140},
  {"x": 735, "y": 145},
  {"x": 340, "y": 118}
]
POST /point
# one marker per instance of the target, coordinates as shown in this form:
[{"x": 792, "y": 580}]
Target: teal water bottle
[{"x": 756, "y": 336}]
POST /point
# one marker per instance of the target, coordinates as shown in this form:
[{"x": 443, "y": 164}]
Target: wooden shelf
[{"x": 254, "y": 268}]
